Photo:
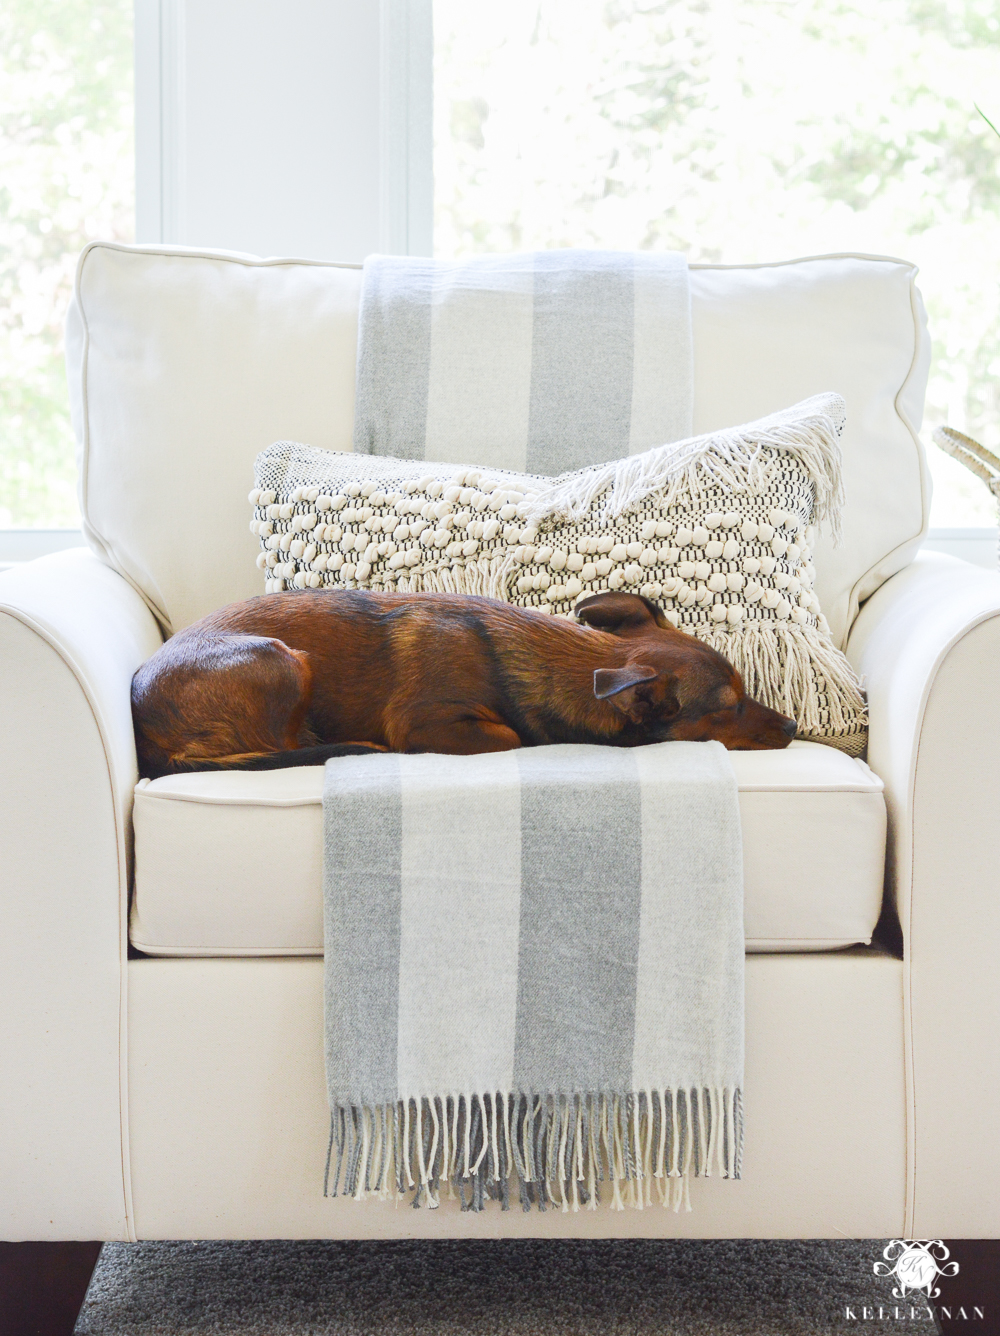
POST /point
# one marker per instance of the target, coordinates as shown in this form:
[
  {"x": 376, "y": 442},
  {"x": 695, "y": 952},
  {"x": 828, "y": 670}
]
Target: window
[
  {"x": 734, "y": 130},
  {"x": 66, "y": 177},
  {"x": 743, "y": 130}
]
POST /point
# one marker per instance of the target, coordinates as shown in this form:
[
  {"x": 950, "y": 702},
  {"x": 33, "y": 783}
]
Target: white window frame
[
  {"x": 401, "y": 77},
  {"x": 20, "y": 545},
  {"x": 980, "y": 546},
  {"x": 392, "y": 84}
]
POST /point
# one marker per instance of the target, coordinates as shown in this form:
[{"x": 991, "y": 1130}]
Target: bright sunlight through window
[
  {"x": 66, "y": 177},
  {"x": 743, "y": 130}
]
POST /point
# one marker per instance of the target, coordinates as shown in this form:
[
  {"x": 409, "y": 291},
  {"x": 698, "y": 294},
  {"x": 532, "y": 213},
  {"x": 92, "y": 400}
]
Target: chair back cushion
[{"x": 184, "y": 364}]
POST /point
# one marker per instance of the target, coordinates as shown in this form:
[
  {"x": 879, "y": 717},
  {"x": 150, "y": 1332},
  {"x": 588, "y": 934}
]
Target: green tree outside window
[{"x": 66, "y": 178}]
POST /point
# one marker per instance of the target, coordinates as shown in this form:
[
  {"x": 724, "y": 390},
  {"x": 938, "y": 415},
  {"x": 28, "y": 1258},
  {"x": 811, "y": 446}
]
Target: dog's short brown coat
[{"x": 257, "y": 682}]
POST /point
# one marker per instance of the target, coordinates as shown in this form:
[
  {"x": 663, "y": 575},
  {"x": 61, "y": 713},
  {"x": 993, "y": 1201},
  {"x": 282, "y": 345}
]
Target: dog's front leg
[{"x": 454, "y": 729}]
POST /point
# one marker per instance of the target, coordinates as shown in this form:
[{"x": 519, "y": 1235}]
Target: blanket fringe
[
  {"x": 553, "y": 1150},
  {"x": 738, "y": 459}
]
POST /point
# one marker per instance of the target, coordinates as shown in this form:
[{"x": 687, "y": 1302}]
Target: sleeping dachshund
[{"x": 292, "y": 679}]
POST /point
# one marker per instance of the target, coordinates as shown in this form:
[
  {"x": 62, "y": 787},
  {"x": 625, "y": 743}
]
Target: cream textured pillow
[{"x": 716, "y": 530}]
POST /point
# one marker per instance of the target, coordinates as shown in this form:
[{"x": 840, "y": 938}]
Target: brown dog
[{"x": 290, "y": 679}]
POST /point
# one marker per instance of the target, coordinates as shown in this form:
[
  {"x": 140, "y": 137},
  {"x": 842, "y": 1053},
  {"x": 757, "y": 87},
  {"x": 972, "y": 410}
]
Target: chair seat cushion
[{"x": 229, "y": 864}]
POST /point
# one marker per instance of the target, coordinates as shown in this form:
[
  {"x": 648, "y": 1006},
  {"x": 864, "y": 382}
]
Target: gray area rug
[{"x": 508, "y": 1288}]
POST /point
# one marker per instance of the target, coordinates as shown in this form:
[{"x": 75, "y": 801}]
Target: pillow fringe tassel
[
  {"x": 556, "y": 1149},
  {"x": 487, "y": 577},
  {"x": 739, "y": 459},
  {"x": 799, "y": 672}
]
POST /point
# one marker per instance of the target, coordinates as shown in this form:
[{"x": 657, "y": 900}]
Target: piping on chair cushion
[
  {"x": 229, "y": 863},
  {"x": 717, "y": 531}
]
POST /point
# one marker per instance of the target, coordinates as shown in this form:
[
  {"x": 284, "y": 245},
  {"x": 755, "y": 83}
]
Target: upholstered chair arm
[
  {"x": 72, "y": 632},
  {"x": 928, "y": 646}
]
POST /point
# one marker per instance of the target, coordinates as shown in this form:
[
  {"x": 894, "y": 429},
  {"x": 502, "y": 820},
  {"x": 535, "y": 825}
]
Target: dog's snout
[{"x": 789, "y": 728}]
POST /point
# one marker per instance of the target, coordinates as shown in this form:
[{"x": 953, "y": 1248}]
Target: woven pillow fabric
[{"x": 716, "y": 530}]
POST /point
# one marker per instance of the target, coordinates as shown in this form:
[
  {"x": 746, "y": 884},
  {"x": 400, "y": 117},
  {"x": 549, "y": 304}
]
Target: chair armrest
[
  {"x": 72, "y": 633},
  {"x": 928, "y": 646}
]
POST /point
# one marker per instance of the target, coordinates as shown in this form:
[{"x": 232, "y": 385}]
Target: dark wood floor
[
  {"x": 42, "y": 1286},
  {"x": 977, "y": 1285}
]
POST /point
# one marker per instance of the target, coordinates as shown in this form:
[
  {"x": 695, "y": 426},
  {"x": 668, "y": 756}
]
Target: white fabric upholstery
[
  {"x": 769, "y": 335},
  {"x": 229, "y": 864},
  {"x": 929, "y": 645},
  {"x": 229, "y": 1117},
  {"x": 71, "y": 634},
  {"x": 200, "y": 1111},
  {"x": 184, "y": 364}
]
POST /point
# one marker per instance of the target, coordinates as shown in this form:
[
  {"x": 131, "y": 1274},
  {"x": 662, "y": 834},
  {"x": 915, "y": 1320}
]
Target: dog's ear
[
  {"x": 637, "y": 690},
  {"x": 621, "y": 614}
]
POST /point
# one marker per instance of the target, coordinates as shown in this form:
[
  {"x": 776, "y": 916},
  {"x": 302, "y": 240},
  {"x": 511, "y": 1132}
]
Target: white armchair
[
  {"x": 72, "y": 633},
  {"x": 928, "y": 645},
  {"x": 178, "y": 1092}
]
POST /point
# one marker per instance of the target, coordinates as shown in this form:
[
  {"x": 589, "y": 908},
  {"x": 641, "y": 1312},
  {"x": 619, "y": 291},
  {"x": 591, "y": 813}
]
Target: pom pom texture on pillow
[{"x": 715, "y": 530}]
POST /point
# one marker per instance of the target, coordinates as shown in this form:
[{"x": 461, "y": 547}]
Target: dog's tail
[{"x": 279, "y": 760}]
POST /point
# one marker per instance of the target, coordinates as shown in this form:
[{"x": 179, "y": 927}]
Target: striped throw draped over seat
[{"x": 534, "y": 974}]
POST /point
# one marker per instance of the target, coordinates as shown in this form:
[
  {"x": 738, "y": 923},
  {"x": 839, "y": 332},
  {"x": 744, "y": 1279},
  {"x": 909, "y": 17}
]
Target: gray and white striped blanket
[
  {"x": 534, "y": 974},
  {"x": 538, "y": 362}
]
